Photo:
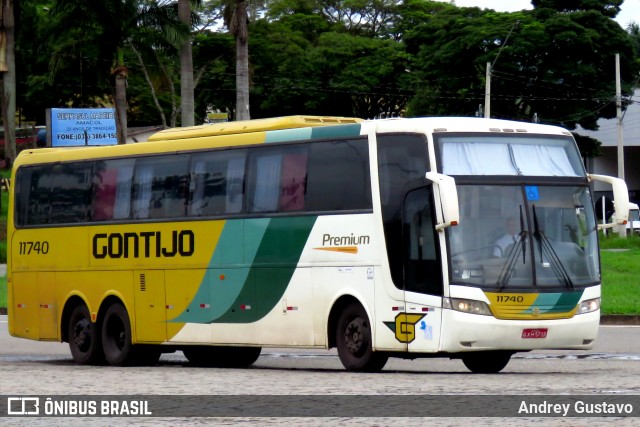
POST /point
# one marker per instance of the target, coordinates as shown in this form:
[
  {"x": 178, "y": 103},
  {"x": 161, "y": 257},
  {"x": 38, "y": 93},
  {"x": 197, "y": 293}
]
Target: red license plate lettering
[{"x": 534, "y": 333}]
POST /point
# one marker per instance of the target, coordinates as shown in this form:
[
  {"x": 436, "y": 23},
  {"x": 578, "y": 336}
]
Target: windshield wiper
[
  {"x": 520, "y": 245},
  {"x": 544, "y": 245}
]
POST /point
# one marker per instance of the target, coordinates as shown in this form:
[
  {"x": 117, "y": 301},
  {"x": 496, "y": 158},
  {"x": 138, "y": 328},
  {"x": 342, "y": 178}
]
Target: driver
[{"x": 509, "y": 237}]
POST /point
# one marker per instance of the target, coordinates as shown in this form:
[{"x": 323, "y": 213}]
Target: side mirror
[
  {"x": 447, "y": 198},
  {"x": 620, "y": 198}
]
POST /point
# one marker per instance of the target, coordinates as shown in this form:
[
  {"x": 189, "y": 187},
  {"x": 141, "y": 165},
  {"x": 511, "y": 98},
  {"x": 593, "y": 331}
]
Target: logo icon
[
  {"x": 23, "y": 406},
  {"x": 405, "y": 326}
]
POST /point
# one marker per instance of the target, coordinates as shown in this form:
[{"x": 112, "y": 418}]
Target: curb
[
  {"x": 620, "y": 319},
  {"x": 605, "y": 319}
]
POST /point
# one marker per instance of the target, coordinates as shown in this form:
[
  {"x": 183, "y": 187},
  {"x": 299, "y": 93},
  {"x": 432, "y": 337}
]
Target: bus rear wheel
[
  {"x": 116, "y": 336},
  {"x": 353, "y": 339},
  {"x": 487, "y": 362},
  {"x": 222, "y": 357},
  {"x": 84, "y": 337}
]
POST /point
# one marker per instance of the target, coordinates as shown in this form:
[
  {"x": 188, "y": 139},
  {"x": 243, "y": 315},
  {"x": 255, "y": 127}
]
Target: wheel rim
[
  {"x": 354, "y": 335},
  {"x": 82, "y": 335},
  {"x": 116, "y": 333}
]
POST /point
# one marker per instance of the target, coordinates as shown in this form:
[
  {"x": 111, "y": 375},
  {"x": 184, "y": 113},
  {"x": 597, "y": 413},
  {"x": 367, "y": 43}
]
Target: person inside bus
[{"x": 508, "y": 238}]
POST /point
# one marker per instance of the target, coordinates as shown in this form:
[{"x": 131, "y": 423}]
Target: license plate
[{"x": 534, "y": 333}]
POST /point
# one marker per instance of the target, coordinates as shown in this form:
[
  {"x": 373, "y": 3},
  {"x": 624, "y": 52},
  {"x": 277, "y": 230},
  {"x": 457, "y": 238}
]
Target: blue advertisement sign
[{"x": 72, "y": 127}]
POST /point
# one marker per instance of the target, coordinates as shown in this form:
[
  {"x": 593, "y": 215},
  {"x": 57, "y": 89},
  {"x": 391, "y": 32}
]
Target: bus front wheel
[
  {"x": 487, "y": 362},
  {"x": 84, "y": 337},
  {"x": 353, "y": 339}
]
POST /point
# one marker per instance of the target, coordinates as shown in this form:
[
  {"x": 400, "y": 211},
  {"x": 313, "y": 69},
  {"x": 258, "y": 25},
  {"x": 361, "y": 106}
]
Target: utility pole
[
  {"x": 622, "y": 229},
  {"x": 487, "y": 87},
  {"x": 619, "y": 121},
  {"x": 487, "y": 92}
]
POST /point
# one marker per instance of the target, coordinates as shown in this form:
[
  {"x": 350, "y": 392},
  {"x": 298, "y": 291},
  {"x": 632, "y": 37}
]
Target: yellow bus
[{"x": 379, "y": 238}]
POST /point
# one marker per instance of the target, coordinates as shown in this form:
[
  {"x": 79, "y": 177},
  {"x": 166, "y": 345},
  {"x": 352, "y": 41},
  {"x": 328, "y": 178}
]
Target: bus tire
[
  {"x": 239, "y": 357},
  {"x": 222, "y": 357},
  {"x": 353, "y": 340},
  {"x": 146, "y": 355},
  {"x": 486, "y": 362},
  {"x": 116, "y": 336},
  {"x": 198, "y": 355},
  {"x": 84, "y": 337}
]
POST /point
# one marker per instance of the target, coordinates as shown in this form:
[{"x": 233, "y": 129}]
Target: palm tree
[
  {"x": 103, "y": 29},
  {"x": 8, "y": 98},
  {"x": 187, "y": 102},
  {"x": 236, "y": 21}
]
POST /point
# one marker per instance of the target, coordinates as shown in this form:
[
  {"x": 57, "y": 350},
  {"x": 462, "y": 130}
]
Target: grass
[{"x": 620, "y": 274}]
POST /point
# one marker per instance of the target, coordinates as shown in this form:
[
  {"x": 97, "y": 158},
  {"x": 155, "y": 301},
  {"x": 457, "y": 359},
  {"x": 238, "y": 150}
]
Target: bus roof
[
  {"x": 281, "y": 129},
  {"x": 462, "y": 124},
  {"x": 248, "y": 126}
]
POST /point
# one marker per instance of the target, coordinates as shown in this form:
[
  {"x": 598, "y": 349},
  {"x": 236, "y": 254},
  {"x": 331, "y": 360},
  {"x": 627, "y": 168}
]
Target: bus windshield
[{"x": 524, "y": 237}]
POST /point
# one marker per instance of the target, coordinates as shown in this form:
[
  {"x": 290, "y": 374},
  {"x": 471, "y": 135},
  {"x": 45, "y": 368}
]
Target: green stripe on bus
[
  {"x": 227, "y": 271},
  {"x": 286, "y": 135},
  {"x": 275, "y": 262},
  {"x": 243, "y": 285},
  {"x": 340, "y": 131},
  {"x": 555, "y": 302}
]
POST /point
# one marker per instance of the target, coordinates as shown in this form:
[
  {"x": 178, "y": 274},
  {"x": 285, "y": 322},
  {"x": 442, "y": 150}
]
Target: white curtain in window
[
  {"x": 123, "y": 191},
  {"x": 235, "y": 181},
  {"x": 196, "y": 188},
  {"x": 144, "y": 176},
  {"x": 476, "y": 158},
  {"x": 542, "y": 160},
  {"x": 267, "y": 190}
]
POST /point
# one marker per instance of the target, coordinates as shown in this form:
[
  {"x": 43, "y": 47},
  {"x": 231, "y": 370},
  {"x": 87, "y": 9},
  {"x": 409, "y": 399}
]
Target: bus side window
[
  {"x": 279, "y": 179},
  {"x": 21, "y": 189},
  {"x": 112, "y": 189},
  {"x": 293, "y": 181},
  {"x": 70, "y": 191},
  {"x": 216, "y": 186},
  {"x": 34, "y": 187},
  {"x": 339, "y": 177},
  {"x": 160, "y": 187}
]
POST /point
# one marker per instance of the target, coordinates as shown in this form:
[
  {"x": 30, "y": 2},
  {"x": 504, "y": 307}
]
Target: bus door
[
  {"x": 422, "y": 271},
  {"x": 150, "y": 306}
]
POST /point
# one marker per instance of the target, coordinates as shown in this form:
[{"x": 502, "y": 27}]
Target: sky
[{"x": 630, "y": 9}]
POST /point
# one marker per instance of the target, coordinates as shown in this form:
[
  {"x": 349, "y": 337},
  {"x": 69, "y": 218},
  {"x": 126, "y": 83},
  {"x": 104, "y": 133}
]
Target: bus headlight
[
  {"x": 588, "y": 306},
  {"x": 467, "y": 306}
]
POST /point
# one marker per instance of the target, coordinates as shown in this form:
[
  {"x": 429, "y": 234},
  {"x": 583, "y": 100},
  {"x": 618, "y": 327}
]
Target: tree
[
  {"x": 236, "y": 20},
  {"x": 558, "y": 66},
  {"x": 186, "y": 66},
  {"x": 368, "y": 18},
  {"x": 359, "y": 76},
  {"x": 214, "y": 56},
  {"x": 8, "y": 69},
  {"x": 103, "y": 29},
  {"x": 608, "y": 8}
]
